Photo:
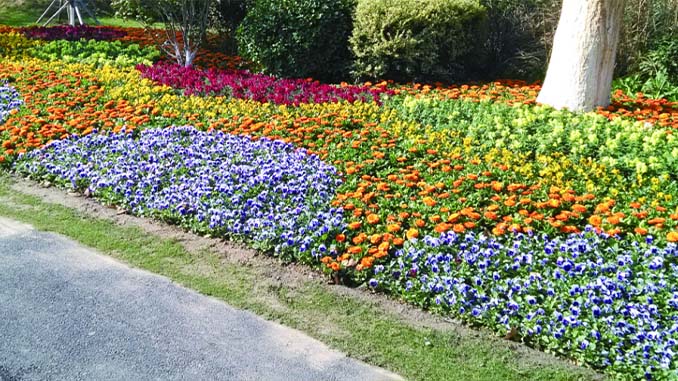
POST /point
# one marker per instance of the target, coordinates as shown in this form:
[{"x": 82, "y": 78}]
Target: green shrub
[
  {"x": 646, "y": 24},
  {"x": 225, "y": 17},
  {"x": 520, "y": 36},
  {"x": 657, "y": 73},
  {"x": 298, "y": 38},
  {"x": 416, "y": 39}
]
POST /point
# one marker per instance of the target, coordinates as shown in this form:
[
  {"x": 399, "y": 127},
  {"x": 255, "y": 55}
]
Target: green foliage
[
  {"x": 657, "y": 73},
  {"x": 226, "y": 16},
  {"x": 622, "y": 145},
  {"x": 135, "y": 10},
  {"x": 416, "y": 40},
  {"x": 97, "y": 53},
  {"x": 520, "y": 35},
  {"x": 646, "y": 24},
  {"x": 298, "y": 38}
]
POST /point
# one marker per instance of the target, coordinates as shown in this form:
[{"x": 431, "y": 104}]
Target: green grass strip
[
  {"x": 27, "y": 15},
  {"x": 361, "y": 329}
]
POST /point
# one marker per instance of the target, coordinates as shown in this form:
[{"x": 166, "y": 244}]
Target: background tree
[
  {"x": 580, "y": 71},
  {"x": 185, "y": 21}
]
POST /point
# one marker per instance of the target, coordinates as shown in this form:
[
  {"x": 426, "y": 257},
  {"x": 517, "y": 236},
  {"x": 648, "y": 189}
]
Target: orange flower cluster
[
  {"x": 57, "y": 105},
  {"x": 394, "y": 189}
]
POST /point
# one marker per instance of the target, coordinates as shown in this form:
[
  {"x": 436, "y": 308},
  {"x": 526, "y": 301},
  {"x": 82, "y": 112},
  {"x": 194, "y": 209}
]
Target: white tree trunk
[{"x": 579, "y": 76}]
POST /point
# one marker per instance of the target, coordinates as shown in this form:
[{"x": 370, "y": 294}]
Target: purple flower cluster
[
  {"x": 73, "y": 33},
  {"x": 265, "y": 191},
  {"x": 259, "y": 87},
  {"x": 608, "y": 302},
  {"x": 9, "y": 100}
]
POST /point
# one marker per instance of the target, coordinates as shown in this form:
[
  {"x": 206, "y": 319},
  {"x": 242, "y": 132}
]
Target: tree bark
[{"x": 579, "y": 75}]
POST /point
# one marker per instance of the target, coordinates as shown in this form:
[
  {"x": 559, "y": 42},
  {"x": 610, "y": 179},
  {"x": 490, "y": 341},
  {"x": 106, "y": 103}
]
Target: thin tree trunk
[{"x": 579, "y": 76}]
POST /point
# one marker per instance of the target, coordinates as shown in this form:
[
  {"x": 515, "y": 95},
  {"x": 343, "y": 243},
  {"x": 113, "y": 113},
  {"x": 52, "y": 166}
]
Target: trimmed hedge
[
  {"x": 298, "y": 38},
  {"x": 416, "y": 39}
]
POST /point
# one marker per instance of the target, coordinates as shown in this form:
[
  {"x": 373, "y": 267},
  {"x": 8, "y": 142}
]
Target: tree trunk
[{"x": 579, "y": 76}]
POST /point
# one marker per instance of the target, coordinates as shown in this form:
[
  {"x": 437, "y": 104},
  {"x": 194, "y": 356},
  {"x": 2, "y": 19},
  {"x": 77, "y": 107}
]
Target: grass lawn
[
  {"x": 364, "y": 330},
  {"x": 28, "y": 14}
]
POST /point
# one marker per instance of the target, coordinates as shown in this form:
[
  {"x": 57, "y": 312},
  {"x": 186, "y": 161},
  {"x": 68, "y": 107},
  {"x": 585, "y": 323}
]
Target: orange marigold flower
[
  {"x": 340, "y": 237},
  {"x": 360, "y": 238},
  {"x": 453, "y": 217},
  {"x": 672, "y": 237},
  {"x": 553, "y": 203},
  {"x": 367, "y": 262},
  {"x": 429, "y": 201},
  {"x": 579, "y": 208},
  {"x": 398, "y": 241},
  {"x": 458, "y": 228},
  {"x": 412, "y": 233},
  {"x": 381, "y": 254},
  {"x": 442, "y": 227},
  {"x": 491, "y": 216},
  {"x": 595, "y": 220},
  {"x": 373, "y": 218},
  {"x": 420, "y": 223},
  {"x": 384, "y": 246},
  {"x": 355, "y": 225},
  {"x": 656, "y": 221},
  {"x": 640, "y": 231},
  {"x": 375, "y": 239},
  {"x": 355, "y": 250},
  {"x": 613, "y": 220},
  {"x": 393, "y": 228}
]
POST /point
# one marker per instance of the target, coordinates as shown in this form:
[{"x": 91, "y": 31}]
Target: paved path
[{"x": 68, "y": 313}]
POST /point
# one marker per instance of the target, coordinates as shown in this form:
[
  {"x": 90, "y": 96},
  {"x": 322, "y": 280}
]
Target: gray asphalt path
[{"x": 68, "y": 313}]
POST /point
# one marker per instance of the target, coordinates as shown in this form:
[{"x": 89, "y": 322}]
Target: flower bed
[
  {"x": 434, "y": 184},
  {"x": 608, "y": 302},
  {"x": 262, "y": 190},
  {"x": 73, "y": 33},
  {"x": 242, "y": 84}
]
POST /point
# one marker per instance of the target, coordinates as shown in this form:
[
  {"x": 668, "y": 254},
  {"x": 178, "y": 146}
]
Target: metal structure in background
[{"x": 74, "y": 9}]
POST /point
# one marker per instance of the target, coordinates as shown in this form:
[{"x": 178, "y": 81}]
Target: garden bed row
[{"x": 555, "y": 228}]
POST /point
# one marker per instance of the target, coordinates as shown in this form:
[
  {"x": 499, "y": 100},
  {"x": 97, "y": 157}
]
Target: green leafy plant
[
  {"x": 657, "y": 73},
  {"x": 97, "y": 53},
  {"x": 520, "y": 34},
  {"x": 416, "y": 40},
  {"x": 298, "y": 38},
  {"x": 226, "y": 16}
]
